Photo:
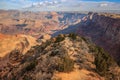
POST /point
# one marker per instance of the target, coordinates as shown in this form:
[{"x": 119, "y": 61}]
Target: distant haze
[{"x": 61, "y": 5}]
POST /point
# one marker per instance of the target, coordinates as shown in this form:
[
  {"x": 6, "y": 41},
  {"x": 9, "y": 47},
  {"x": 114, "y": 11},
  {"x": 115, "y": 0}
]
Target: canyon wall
[
  {"x": 104, "y": 30},
  {"x": 36, "y": 23}
]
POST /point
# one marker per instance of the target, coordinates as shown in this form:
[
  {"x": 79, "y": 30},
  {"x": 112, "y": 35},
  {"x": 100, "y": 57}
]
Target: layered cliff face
[
  {"x": 60, "y": 56},
  {"x": 36, "y": 23},
  {"x": 104, "y": 30}
]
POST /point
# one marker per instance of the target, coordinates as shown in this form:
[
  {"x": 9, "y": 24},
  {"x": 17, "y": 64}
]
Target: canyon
[
  {"x": 61, "y": 58},
  {"x": 104, "y": 30},
  {"x": 36, "y": 23},
  {"x": 35, "y": 44}
]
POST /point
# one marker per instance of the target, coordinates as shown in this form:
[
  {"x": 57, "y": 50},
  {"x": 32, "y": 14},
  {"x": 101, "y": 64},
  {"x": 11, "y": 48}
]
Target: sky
[{"x": 60, "y": 5}]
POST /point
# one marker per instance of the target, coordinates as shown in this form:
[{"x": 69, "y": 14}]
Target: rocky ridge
[{"x": 60, "y": 56}]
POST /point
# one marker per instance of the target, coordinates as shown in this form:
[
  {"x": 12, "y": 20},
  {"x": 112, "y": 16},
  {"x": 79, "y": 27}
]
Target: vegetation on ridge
[
  {"x": 61, "y": 54},
  {"x": 66, "y": 64},
  {"x": 104, "y": 62}
]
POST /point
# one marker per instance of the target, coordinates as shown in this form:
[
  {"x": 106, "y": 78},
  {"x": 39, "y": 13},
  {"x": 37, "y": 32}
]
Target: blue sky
[{"x": 60, "y": 5}]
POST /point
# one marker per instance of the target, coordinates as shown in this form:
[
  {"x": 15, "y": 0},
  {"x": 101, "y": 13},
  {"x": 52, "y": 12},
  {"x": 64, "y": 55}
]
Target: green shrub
[
  {"x": 44, "y": 45},
  {"x": 73, "y": 36},
  {"x": 31, "y": 66},
  {"x": 54, "y": 53},
  {"x": 27, "y": 78},
  {"x": 66, "y": 64},
  {"x": 13, "y": 78},
  {"x": 84, "y": 39},
  {"x": 102, "y": 61},
  {"x": 59, "y": 38},
  {"x": 119, "y": 62}
]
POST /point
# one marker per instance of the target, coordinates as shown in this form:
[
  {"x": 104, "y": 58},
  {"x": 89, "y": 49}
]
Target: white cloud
[
  {"x": 103, "y": 4},
  {"x": 63, "y": 0},
  {"x": 42, "y": 4},
  {"x": 72, "y": 5}
]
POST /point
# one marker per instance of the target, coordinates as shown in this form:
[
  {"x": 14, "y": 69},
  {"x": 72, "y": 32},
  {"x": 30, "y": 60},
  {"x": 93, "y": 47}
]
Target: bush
[
  {"x": 31, "y": 66},
  {"x": 66, "y": 64},
  {"x": 73, "y": 36},
  {"x": 27, "y": 78},
  {"x": 59, "y": 38},
  {"x": 84, "y": 39},
  {"x": 54, "y": 53},
  {"x": 44, "y": 45},
  {"x": 102, "y": 61},
  {"x": 21, "y": 25},
  {"x": 119, "y": 62}
]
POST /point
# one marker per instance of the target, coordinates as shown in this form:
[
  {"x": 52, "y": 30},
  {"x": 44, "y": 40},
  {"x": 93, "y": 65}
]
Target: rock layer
[{"x": 104, "y": 30}]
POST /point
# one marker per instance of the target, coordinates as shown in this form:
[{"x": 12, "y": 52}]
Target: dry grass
[{"x": 77, "y": 75}]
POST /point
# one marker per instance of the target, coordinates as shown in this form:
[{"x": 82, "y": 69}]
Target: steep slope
[
  {"x": 17, "y": 42},
  {"x": 104, "y": 30},
  {"x": 60, "y": 56},
  {"x": 9, "y": 43}
]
